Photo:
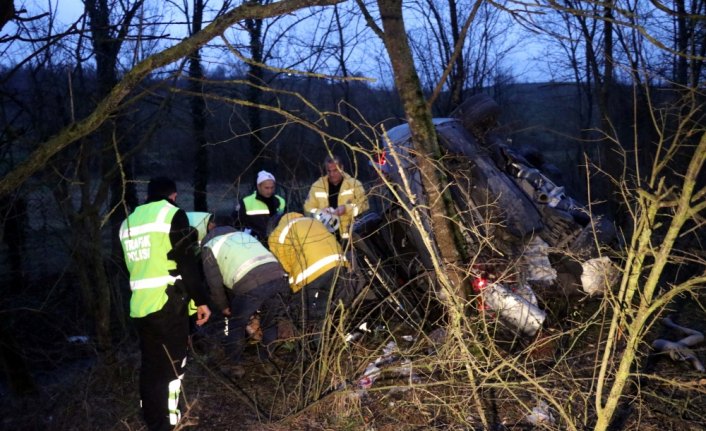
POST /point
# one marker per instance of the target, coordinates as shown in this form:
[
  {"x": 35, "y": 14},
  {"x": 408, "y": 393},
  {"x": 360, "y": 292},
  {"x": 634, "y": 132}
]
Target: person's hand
[
  {"x": 202, "y": 314},
  {"x": 340, "y": 210},
  {"x": 226, "y": 312}
]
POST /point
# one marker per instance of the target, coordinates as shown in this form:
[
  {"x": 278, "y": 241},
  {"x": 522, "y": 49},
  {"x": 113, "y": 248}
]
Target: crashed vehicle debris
[{"x": 520, "y": 227}]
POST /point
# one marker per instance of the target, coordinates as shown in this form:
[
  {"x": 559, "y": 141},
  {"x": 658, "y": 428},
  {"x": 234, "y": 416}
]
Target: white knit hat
[{"x": 264, "y": 176}]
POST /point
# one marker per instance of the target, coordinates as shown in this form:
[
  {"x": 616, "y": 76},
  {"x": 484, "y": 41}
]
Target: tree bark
[
  {"x": 255, "y": 79},
  {"x": 7, "y": 12},
  {"x": 422, "y": 129},
  {"x": 198, "y": 117}
]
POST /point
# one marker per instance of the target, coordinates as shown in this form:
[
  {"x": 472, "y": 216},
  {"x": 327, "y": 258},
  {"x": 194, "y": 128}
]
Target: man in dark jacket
[
  {"x": 254, "y": 211},
  {"x": 158, "y": 246}
]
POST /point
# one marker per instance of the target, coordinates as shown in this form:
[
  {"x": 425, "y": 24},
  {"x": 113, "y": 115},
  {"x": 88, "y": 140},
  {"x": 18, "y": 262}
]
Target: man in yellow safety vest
[
  {"x": 254, "y": 211},
  {"x": 158, "y": 246}
]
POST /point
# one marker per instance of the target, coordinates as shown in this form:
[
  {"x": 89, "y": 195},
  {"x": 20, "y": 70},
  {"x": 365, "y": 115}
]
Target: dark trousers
[
  {"x": 310, "y": 303},
  {"x": 269, "y": 298},
  {"x": 321, "y": 296},
  {"x": 163, "y": 343}
]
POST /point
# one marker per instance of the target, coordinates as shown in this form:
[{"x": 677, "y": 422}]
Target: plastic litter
[
  {"x": 541, "y": 415},
  {"x": 513, "y": 309},
  {"x": 372, "y": 371},
  {"x": 357, "y": 333},
  {"x": 597, "y": 274}
]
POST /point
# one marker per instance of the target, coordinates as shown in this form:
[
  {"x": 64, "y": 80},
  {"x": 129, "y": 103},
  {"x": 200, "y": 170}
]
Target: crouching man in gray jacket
[{"x": 243, "y": 278}]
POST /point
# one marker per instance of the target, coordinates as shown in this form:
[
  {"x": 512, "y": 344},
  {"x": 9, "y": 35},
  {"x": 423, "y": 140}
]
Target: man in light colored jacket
[
  {"x": 317, "y": 268},
  {"x": 337, "y": 193}
]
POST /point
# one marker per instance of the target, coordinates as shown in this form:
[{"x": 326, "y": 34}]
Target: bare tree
[
  {"x": 39, "y": 158},
  {"x": 198, "y": 114},
  {"x": 7, "y": 12},
  {"x": 689, "y": 46}
]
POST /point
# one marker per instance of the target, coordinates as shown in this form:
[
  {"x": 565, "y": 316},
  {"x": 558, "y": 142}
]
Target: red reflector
[
  {"x": 381, "y": 159},
  {"x": 479, "y": 284}
]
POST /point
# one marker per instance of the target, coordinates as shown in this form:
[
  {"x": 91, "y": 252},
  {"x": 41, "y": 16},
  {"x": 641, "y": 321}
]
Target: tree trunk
[
  {"x": 102, "y": 150},
  {"x": 423, "y": 133},
  {"x": 12, "y": 362},
  {"x": 457, "y": 79},
  {"x": 255, "y": 80},
  {"x": 682, "y": 44},
  {"x": 7, "y": 12},
  {"x": 345, "y": 84},
  {"x": 14, "y": 218},
  {"x": 94, "y": 283},
  {"x": 198, "y": 117}
]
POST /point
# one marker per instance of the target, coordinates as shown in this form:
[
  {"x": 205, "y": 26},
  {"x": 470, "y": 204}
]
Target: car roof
[{"x": 401, "y": 134}]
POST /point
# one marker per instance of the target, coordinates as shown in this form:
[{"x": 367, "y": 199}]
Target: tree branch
[
  {"x": 41, "y": 156},
  {"x": 456, "y": 53}
]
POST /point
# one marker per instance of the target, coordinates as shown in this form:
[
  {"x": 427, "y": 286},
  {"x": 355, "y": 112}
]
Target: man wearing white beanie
[{"x": 254, "y": 211}]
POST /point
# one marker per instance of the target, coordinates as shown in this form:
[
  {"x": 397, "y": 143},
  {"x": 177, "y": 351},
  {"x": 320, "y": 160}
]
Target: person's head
[
  {"x": 161, "y": 188},
  {"x": 221, "y": 218},
  {"x": 265, "y": 184},
  {"x": 334, "y": 169}
]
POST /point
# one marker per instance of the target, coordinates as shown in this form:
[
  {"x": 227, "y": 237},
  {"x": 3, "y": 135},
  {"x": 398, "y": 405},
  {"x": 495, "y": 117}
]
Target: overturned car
[{"x": 520, "y": 228}]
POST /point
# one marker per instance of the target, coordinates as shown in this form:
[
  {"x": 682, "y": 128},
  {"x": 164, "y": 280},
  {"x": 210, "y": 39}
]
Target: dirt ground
[{"x": 422, "y": 386}]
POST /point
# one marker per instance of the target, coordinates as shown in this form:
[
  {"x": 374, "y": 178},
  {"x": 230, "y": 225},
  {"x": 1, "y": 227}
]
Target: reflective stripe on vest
[
  {"x": 244, "y": 254},
  {"x": 254, "y": 206},
  {"x": 321, "y": 195},
  {"x": 158, "y": 225},
  {"x": 283, "y": 235},
  {"x": 217, "y": 243},
  {"x": 257, "y": 212},
  {"x": 148, "y": 283},
  {"x": 315, "y": 267},
  {"x": 252, "y": 263}
]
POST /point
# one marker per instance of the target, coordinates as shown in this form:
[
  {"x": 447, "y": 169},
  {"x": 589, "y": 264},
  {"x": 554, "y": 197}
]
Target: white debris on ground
[
  {"x": 513, "y": 308},
  {"x": 357, "y": 333},
  {"x": 541, "y": 415},
  {"x": 597, "y": 274},
  {"x": 390, "y": 354},
  {"x": 536, "y": 258}
]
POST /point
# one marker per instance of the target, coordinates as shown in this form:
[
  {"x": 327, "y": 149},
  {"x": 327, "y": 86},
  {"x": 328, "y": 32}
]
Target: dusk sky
[{"x": 522, "y": 58}]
